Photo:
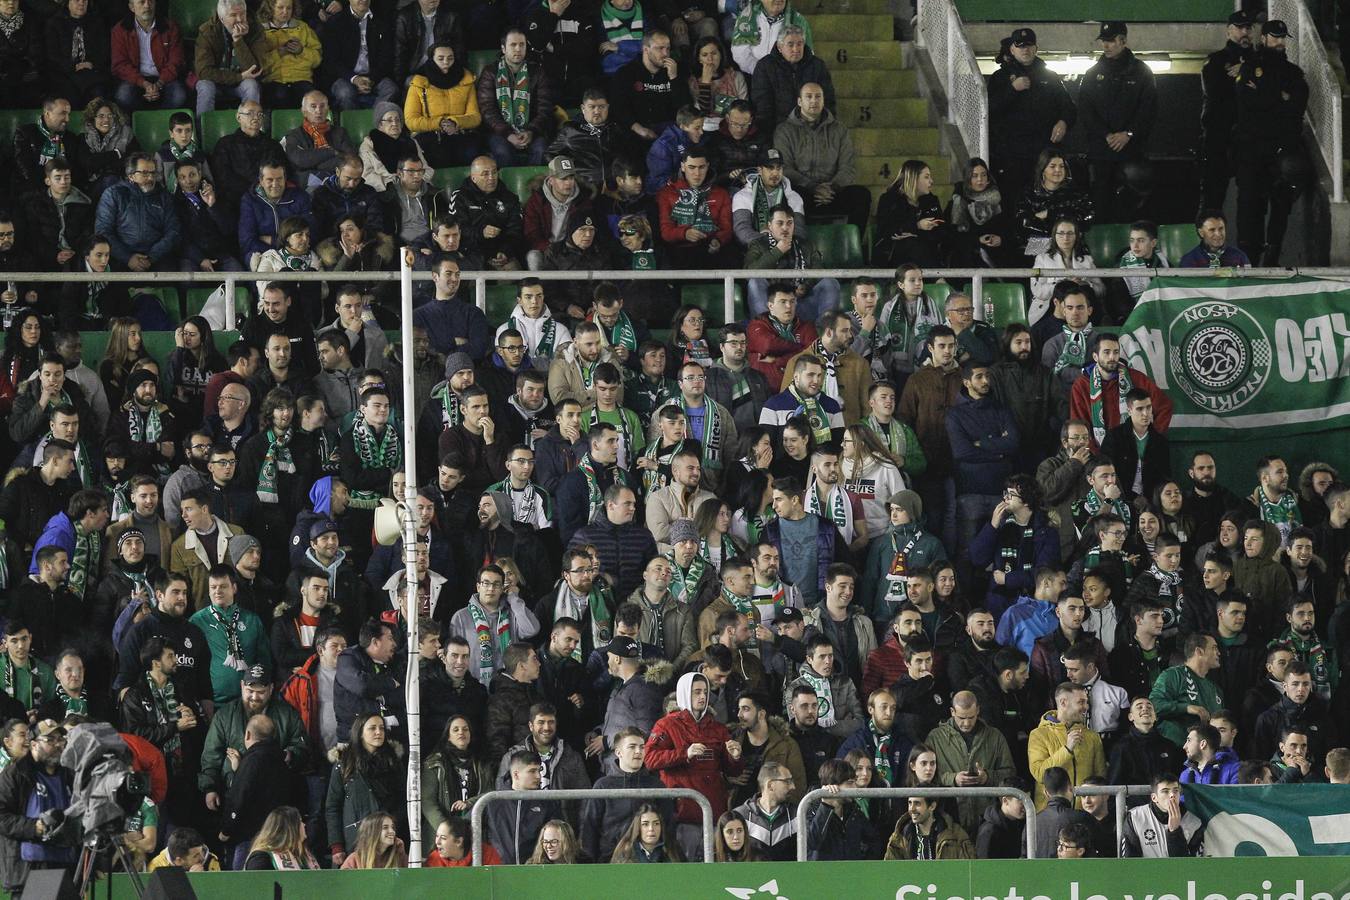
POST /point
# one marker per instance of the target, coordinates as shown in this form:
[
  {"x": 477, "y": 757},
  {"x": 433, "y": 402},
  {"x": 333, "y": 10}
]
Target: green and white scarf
[
  {"x": 52, "y": 143},
  {"x": 147, "y": 431},
  {"x": 293, "y": 262},
  {"x": 277, "y": 459},
  {"x": 745, "y": 30},
  {"x": 691, "y": 209},
  {"x": 714, "y": 431},
  {"x": 74, "y": 705},
  {"x": 840, "y": 512},
  {"x": 1074, "y": 351},
  {"x": 451, "y": 414},
  {"x": 1096, "y": 388},
  {"x": 1091, "y": 504},
  {"x": 762, "y": 201},
  {"x": 787, "y": 332},
  {"x": 621, "y": 24},
  {"x": 513, "y": 93},
  {"x": 881, "y": 756},
  {"x": 228, "y": 620},
  {"x": 1283, "y": 513},
  {"x": 622, "y": 334},
  {"x": 547, "y": 335},
  {"x": 824, "y": 694},
  {"x": 88, "y": 549},
  {"x": 903, "y": 334},
  {"x": 9, "y": 682},
  {"x": 602, "y": 628},
  {"x": 642, "y": 260},
  {"x": 4, "y": 562},
  {"x": 594, "y": 496},
  {"x": 629, "y": 427},
  {"x": 655, "y": 479},
  {"x": 121, "y": 501},
  {"x": 815, "y": 415},
  {"x": 892, "y": 433},
  {"x": 685, "y": 580},
  {"x": 166, "y": 712},
  {"x": 743, "y": 605},
  {"x": 182, "y": 153},
  {"x": 487, "y": 636},
  {"x": 375, "y": 453}
]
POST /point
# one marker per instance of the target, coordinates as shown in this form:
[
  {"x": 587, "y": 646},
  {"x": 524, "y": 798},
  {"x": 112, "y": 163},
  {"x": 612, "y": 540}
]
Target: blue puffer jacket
[
  {"x": 1019, "y": 570},
  {"x": 137, "y": 222},
  {"x": 259, "y": 217},
  {"x": 984, "y": 438},
  {"x": 1223, "y": 770},
  {"x": 663, "y": 159}
]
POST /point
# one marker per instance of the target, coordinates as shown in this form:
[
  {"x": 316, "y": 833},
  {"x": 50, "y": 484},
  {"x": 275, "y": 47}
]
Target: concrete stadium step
[
  {"x": 864, "y": 56},
  {"x": 895, "y": 141},
  {"x": 886, "y": 112},
  {"x": 881, "y": 170},
  {"x": 876, "y": 83},
  {"x": 830, "y": 27}
]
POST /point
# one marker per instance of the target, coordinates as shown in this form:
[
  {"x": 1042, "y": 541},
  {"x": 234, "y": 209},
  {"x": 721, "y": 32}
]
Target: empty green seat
[
  {"x": 1107, "y": 242},
  {"x": 501, "y": 299},
  {"x": 190, "y": 14},
  {"x": 358, "y": 123},
  {"x": 215, "y": 125},
  {"x": 151, "y": 127},
  {"x": 840, "y": 246},
  {"x": 1004, "y": 304},
  {"x": 93, "y": 344},
  {"x": 517, "y": 179},
  {"x": 11, "y": 119},
  {"x": 711, "y": 298},
  {"x": 1175, "y": 241},
  {"x": 937, "y": 292},
  {"x": 480, "y": 58},
  {"x": 283, "y": 120},
  {"x": 450, "y": 177}
]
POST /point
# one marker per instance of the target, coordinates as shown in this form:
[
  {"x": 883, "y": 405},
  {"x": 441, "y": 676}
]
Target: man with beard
[
  {"x": 126, "y": 581},
  {"x": 1027, "y": 387},
  {"x": 1206, "y": 501},
  {"x": 733, "y": 383},
  {"x": 1272, "y": 501},
  {"x": 63, "y": 424},
  {"x": 970, "y": 753},
  {"x": 499, "y": 533},
  {"x": 886, "y": 663},
  {"x": 973, "y": 656},
  {"x": 1065, "y": 353},
  {"x": 1098, "y": 395},
  {"x": 1218, "y": 78},
  {"x": 1206, "y": 761},
  {"x": 882, "y": 738},
  {"x": 256, "y": 698},
  {"x": 1005, "y": 702},
  {"x": 31, "y": 498},
  {"x": 1061, "y": 477},
  {"x": 298, "y": 624},
  {"x": 561, "y": 765},
  {"x": 189, "y": 475},
  {"x": 1300, "y": 637},
  {"x": 561, "y": 449},
  {"x": 709, "y": 422},
  {"x": 902, "y": 549},
  {"x": 51, "y": 610},
  {"x": 815, "y": 742},
  {"x": 517, "y": 392}
]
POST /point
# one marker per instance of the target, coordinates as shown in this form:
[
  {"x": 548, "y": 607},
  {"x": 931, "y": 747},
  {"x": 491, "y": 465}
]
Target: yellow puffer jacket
[
  {"x": 425, "y": 105},
  {"x": 290, "y": 68}
]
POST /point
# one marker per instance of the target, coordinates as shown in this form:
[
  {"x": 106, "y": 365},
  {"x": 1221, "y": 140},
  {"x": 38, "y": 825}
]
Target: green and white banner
[
  {"x": 1276, "y": 820},
  {"x": 1245, "y": 354}
]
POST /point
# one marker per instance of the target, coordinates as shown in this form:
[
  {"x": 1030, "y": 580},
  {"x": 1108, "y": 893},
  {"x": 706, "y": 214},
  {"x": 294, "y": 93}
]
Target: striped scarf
[
  {"x": 84, "y": 563},
  {"x": 594, "y": 496},
  {"x": 166, "y": 713},
  {"x": 487, "y": 636},
  {"x": 841, "y": 511},
  {"x": 277, "y": 459},
  {"x": 384, "y": 452},
  {"x": 682, "y": 581},
  {"x": 1096, "y": 390},
  {"x": 513, "y": 94},
  {"x": 451, "y": 414}
]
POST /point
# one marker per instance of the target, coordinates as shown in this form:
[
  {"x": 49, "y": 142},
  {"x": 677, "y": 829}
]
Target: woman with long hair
[
  {"x": 921, "y": 770},
  {"x": 753, "y": 453},
  {"x": 15, "y": 741},
  {"x": 378, "y": 845},
  {"x": 1051, "y": 197},
  {"x": 1147, "y": 526},
  {"x": 795, "y": 443},
  {"x": 369, "y": 777},
  {"x": 88, "y": 305},
  {"x": 754, "y": 507},
  {"x": 293, "y": 251},
  {"x": 979, "y": 228},
  {"x": 516, "y": 589},
  {"x": 871, "y": 472},
  {"x": 454, "y": 775},
  {"x": 126, "y": 346},
  {"x": 270, "y": 467},
  {"x": 689, "y": 340},
  {"x": 26, "y": 342},
  {"x": 557, "y": 845},
  {"x": 107, "y": 139},
  {"x": 645, "y": 840},
  {"x": 731, "y": 840},
  {"x": 715, "y": 543},
  {"x": 191, "y": 364},
  {"x": 904, "y": 323},
  {"x": 280, "y": 844},
  {"x": 1067, "y": 251},
  {"x": 910, "y": 226},
  {"x": 714, "y": 81},
  {"x": 882, "y": 812},
  {"x": 947, "y": 589},
  {"x": 441, "y": 109},
  {"x": 1167, "y": 500},
  {"x": 454, "y": 847}
]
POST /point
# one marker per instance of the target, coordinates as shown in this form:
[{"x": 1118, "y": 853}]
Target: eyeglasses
[
  {"x": 627, "y": 232},
  {"x": 583, "y": 571},
  {"x": 6, "y": 234},
  {"x": 198, "y": 448},
  {"x": 553, "y": 842},
  {"x": 522, "y": 459},
  {"x": 962, "y": 310},
  {"x": 144, "y": 172},
  {"x": 735, "y": 342},
  {"x": 694, "y": 378},
  {"x": 511, "y": 348},
  {"x": 223, "y": 462},
  {"x": 491, "y": 583}
]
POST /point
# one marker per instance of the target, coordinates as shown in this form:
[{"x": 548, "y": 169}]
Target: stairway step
[
  {"x": 864, "y": 56},
  {"x": 888, "y": 112},
  {"x": 877, "y": 83},
  {"x": 920, "y": 142},
  {"x": 881, "y": 170},
  {"x": 831, "y": 27}
]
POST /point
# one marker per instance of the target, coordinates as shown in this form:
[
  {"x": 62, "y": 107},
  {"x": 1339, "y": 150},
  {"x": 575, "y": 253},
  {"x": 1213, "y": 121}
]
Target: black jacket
[
  {"x": 1313, "y": 717},
  {"x": 364, "y": 688},
  {"x": 1020, "y": 122},
  {"x": 1058, "y": 812},
  {"x": 592, "y": 152},
  {"x": 208, "y": 231},
  {"x": 604, "y": 822},
  {"x": 410, "y": 31},
  {"x": 341, "y": 39},
  {"x": 1014, "y": 713},
  {"x": 1000, "y": 837},
  {"x": 1121, "y": 448},
  {"x": 624, "y": 552},
  {"x": 58, "y": 39},
  {"x": 777, "y": 83},
  {"x": 569, "y": 45},
  {"x": 476, "y": 210},
  {"x": 235, "y": 161},
  {"x": 1131, "y": 670},
  {"x": 1220, "y": 91},
  {"x": 1137, "y": 757},
  {"x": 54, "y": 618},
  {"x": 649, "y": 99},
  {"x": 508, "y": 715},
  {"x": 1265, "y": 121},
  {"x": 139, "y": 718},
  {"x": 816, "y": 746},
  {"x": 261, "y": 784},
  {"x": 16, "y": 787},
  {"x": 512, "y": 827},
  {"x": 1118, "y": 95},
  {"x": 42, "y": 226},
  {"x": 193, "y": 677},
  {"x": 329, "y": 203},
  {"x": 26, "y": 503}
]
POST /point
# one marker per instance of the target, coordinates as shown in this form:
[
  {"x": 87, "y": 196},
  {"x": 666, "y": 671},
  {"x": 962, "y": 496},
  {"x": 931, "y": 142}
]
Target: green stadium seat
[
  {"x": 1009, "y": 304},
  {"x": 1175, "y": 241},
  {"x": 840, "y": 246},
  {"x": 283, "y": 120},
  {"x": 1107, "y": 242},
  {"x": 937, "y": 292},
  {"x": 76, "y": 124},
  {"x": 517, "y": 179},
  {"x": 93, "y": 345},
  {"x": 190, "y": 14},
  {"x": 450, "y": 177},
  {"x": 11, "y": 119},
  {"x": 358, "y": 123},
  {"x": 215, "y": 125},
  {"x": 711, "y": 298},
  {"x": 501, "y": 299},
  {"x": 480, "y": 58},
  {"x": 151, "y": 127}
]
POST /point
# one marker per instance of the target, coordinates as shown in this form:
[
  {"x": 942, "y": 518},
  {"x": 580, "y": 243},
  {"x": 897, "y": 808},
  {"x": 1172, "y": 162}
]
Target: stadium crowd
[{"x": 858, "y": 539}]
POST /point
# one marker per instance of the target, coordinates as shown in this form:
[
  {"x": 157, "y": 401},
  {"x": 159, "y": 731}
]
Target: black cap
[
  {"x": 1276, "y": 27},
  {"x": 788, "y": 614},
  {"x": 770, "y": 156},
  {"x": 1023, "y": 37},
  {"x": 1112, "y": 30},
  {"x": 257, "y": 676},
  {"x": 624, "y": 648},
  {"x": 1241, "y": 19},
  {"x": 322, "y": 527}
]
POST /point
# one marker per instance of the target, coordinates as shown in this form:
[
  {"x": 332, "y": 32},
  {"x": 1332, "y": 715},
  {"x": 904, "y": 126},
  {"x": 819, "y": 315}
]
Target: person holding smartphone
[{"x": 910, "y": 225}]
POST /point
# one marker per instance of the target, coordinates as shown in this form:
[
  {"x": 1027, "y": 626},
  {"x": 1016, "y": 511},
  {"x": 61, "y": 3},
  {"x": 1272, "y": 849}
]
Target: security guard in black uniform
[
  {"x": 1118, "y": 103},
  {"x": 1029, "y": 109},
  {"x": 1219, "y": 79},
  {"x": 1269, "y": 161}
]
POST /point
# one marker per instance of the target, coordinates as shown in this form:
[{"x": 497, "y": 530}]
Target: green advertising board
[
  {"x": 1312, "y": 820},
  {"x": 1094, "y": 10},
  {"x": 1182, "y": 879}
]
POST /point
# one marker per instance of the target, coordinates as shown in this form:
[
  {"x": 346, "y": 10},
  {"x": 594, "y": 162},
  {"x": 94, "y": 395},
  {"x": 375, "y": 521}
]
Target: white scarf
[{"x": 840, "y": 512}]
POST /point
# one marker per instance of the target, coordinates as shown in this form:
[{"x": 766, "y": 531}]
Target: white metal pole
[{"x": 412, "y": 703}]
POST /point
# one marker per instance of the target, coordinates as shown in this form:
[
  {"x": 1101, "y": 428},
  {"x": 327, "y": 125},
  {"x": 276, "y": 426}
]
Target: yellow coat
[
  {"x": 1048, "y": 746},
  {"x": 287, "y": 68},
  {"x": 425, "y": 105}
]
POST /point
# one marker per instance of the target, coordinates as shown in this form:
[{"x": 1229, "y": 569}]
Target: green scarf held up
[
  {"x": 513, "y": 93},
  {"x": 682, "y": 580},
  {"x": 277, "y": 459},
  {"x": 451, "y": 414},
  {"x": 745, "y": 31},
  {"x": 293, "y": 262},
  {"x": 595, "y": 497},
  {"x": 743, "y": 605},
  {"x": 166, "y": 712},
  {"x": 1074, "y": 351},
  {"x": 85, "y": 562},
  {"x": 622, "y": 334},
  {"x": 486, "y": 638},
  {"x": 815, "y": 415},
  {"x": 375, "y": 452},
  {"x": 691, "y": 209},
  {"x": 1096, "y": 391}
]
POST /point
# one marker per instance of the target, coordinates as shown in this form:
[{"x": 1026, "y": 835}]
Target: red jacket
[
  {"x": 667, "y": 755},
  {"x": 537, "y": 219},
  {"x": 763, "y": 340},
  {"x": 166, "y": 48},
  {"x": 301, "y": 691},
  {"x": 146, "y": 758},
  {"x": 719, "y": 208},
  {"x": 883, "y": 667},
  {"x": 1080, "y": 406}
]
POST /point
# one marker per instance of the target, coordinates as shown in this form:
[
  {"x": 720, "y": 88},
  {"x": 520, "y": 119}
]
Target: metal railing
[
  {"x": 476, "y": 814},
  {"x": 1325, "y": 107},
  {"x": 941, "y": 35},
  {"x": 1119, "y": 792},
  {"x": 807, "y": 801}
]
